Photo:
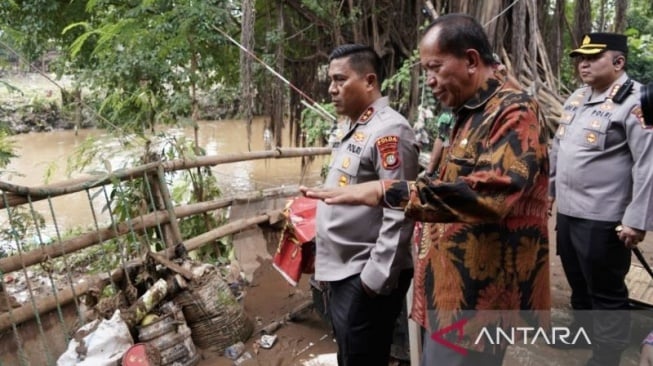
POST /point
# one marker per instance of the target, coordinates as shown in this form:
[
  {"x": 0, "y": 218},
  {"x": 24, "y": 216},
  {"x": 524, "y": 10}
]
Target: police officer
[
  {"x": 602, "y": 180},
  {"x": 363, "y": 253}
]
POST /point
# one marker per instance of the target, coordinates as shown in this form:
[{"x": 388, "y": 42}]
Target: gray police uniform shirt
[
  {"x": 602, "y": 159},
  {"x": 372, "y": 241}
]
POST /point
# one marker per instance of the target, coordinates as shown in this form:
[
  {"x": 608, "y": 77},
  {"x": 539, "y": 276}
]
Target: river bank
[{"x": 32, "y": 102}]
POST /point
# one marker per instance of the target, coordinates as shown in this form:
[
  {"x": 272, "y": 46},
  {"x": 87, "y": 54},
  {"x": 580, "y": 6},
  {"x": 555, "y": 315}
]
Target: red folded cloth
[{"x": 296, "y": 251}]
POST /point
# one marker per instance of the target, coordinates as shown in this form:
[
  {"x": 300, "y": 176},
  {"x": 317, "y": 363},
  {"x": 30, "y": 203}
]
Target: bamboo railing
[{"x": 15, "y": 195}]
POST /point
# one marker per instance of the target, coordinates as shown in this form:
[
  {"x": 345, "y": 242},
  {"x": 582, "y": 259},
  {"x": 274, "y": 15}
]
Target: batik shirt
[{"x": 486, "y": 245}]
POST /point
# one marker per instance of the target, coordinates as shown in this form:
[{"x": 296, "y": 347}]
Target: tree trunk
[
  {"x": 621, "y": 8},
  {"x": 278, "y": 100},
  {"x": 557, "y": 30},
  {"x": 518, "y": 44},
  {"x": 582, "y": 21}
]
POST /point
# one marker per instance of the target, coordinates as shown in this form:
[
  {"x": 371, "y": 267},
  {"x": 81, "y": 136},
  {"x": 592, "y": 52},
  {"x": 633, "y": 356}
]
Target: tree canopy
[{"x": 146, "y": 62}]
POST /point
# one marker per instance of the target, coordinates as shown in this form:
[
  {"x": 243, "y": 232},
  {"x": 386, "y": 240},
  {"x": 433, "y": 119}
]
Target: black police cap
[{"x": 594, "y": 43}]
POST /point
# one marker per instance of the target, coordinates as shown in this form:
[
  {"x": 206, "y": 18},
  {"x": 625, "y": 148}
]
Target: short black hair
[
  {"x": 362, "y": 58},
  {"x": 460, "y": 32}
]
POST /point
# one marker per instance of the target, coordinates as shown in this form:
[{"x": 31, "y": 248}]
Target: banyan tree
[{"x": 527, "y": 35}]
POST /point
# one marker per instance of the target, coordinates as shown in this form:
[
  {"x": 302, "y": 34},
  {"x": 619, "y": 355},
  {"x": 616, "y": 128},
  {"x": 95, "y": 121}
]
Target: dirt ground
[{"x": 308, "y": 341}]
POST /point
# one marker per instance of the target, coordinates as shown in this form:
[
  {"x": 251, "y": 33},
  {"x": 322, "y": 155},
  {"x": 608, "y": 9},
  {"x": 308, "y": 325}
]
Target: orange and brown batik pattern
[{"x": 485, "y": 241}]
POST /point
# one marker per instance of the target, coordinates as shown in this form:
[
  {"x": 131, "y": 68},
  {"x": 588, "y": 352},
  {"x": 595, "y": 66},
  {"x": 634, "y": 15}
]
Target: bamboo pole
[
  {"x": 17, "y": 194},
  {"x": 172, "y": 226},
  {"x": 43, "y": 253},
  {"x": 44, "y": 305}
]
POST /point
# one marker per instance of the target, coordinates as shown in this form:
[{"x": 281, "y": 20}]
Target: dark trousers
[
  {"x": 596, "y": 262},
  {"x": 363, "y": 325},
  {"x": 434, "y": 353}
]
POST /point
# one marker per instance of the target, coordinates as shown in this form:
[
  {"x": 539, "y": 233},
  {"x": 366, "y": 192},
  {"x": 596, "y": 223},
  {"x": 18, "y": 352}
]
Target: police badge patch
[
  {"x": 639, "y": 114},
  {"x": 388, "y": 147}
]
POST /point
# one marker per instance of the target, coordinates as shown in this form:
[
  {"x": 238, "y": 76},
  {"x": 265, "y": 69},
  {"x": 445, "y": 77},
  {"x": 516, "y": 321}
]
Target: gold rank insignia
[
  {"x": 591, "y": 138},
  {"x": 607, "y": 105},
  {"x": 345, "y": 163},
  {"x": 463, "y": 143},
  {"x": 359, "y": 137},
  {"x": 596, "y": 123},
  {"x": 576, "y": 102},
  {"x": 614, "y": 91},
  {"x": 366, "y": 115},
  {"x": 342, "y": 181},
  {"x": 388, "y": 147}
]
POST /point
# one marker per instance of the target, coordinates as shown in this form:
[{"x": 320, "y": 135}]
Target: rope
[
  {"x": 30, "y": 290},
  {"x": 501, "y": 13},
  {"x": 69, "y": 272}
]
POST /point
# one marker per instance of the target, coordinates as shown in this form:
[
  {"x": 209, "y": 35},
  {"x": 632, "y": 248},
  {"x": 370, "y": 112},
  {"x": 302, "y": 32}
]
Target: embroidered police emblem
[
  {"x": 388, "y": 147},
  {"x": 591, "y": 138},
  {"x": 639, "y": 114},
  {"x": 586, "y": 40},
  {"x": 390, "y": 159},
  {"x": 366, "y": 115},
  {"x": 359, "y": 137},
  {"x": 342, "y": 181}
]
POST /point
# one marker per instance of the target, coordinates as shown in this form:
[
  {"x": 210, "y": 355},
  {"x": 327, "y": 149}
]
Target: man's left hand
[{"x": 630, "y": 236}]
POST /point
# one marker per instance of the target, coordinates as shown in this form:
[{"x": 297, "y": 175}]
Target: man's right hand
[
  {"x": 368, "y": 193},
  {"x": 550, "y": 202}
]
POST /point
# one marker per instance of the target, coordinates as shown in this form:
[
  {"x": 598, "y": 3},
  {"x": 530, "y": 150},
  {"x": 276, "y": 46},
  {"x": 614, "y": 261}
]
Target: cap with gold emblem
[{"x": 594, "y": 43}]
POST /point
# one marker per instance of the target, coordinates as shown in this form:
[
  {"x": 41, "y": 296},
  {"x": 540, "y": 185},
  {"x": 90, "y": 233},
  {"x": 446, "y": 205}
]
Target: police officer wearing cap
[
  {"x": 602, "y": 182},
  {"x": 362, "y": 252}
]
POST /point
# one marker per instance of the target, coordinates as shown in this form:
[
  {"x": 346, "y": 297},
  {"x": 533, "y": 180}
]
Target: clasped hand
[{"x": 630, "y": 236}]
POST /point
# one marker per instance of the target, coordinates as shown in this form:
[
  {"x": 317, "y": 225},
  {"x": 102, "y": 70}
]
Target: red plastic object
[
  {"x": 296, "y": 251},
  {"x": 136, "y": 355}
]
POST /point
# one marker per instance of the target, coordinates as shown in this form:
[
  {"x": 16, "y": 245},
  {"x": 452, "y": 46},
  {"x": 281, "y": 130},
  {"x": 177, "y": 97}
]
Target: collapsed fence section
[{"x": 51, "y": 285}]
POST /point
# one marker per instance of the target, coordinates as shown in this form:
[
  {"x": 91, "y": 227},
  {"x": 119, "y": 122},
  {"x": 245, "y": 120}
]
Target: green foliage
[
  {"x": 140, "y": 60},
  {"x": 315, "y": 126},
  {"x": 6, "y": 148},
  {"x": 400, "y": 82},
  {"x": 640, "y": 56},
  {"x": 20, "y": 229},
  {"x": 33, "y": 27}
]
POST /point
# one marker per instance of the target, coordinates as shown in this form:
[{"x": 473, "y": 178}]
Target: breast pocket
[
  {"x": 346, "y": 166},
  {"x": 593, "y": 134}
]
